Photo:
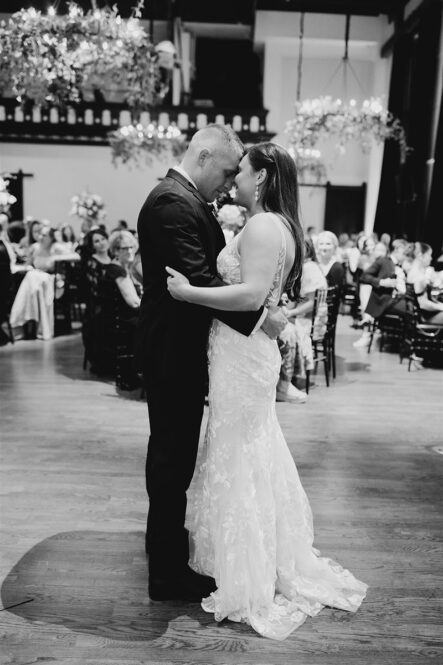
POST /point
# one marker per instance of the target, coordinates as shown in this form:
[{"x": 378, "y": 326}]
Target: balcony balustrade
[{"x": 89, "y": 123}]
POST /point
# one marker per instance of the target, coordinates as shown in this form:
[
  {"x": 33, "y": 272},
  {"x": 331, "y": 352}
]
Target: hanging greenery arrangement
[
  {"x": 327, "y": 117},
  {"x": 310, "y": 167},
  {"x": 53, "y": 58},
  {"x": 138, "y": 143}
]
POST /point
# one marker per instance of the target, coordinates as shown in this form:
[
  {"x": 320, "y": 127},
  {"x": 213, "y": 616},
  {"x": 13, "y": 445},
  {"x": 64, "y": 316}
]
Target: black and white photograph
[{"x": 221, "y": 332}]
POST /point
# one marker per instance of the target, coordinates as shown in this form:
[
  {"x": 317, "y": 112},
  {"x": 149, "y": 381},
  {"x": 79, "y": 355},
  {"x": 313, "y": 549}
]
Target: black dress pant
[{"x": 175, "y": 403}]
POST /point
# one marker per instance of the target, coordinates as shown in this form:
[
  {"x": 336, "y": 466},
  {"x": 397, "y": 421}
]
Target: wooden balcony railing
[{"x": 89, "y": 123}]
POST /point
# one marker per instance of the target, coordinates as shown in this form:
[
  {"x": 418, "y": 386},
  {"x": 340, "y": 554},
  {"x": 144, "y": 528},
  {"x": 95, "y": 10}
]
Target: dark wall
[
  {"x": 410, "y": 198},
  {"x": 228, "y": 72},
  {"x": 345, "y": 208}
]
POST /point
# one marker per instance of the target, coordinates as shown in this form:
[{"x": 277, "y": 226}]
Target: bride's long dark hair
[{"x": 279, "y": 194}]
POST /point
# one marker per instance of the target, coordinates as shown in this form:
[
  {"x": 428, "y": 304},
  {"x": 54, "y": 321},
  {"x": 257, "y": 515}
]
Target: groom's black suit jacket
[{"x": 177, "y": 228}]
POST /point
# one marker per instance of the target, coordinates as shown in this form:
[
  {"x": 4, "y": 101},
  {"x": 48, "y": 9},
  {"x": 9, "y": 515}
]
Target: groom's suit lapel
[{"x": 215, "y": 232}]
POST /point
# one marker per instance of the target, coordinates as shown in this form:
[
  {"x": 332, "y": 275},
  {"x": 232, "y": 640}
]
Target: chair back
[
  {"x": 319, "y": 315},
  {"x": 126, "y": 376},
  {"x": 412, "y": 315},
  {"x": 62, "y": 297},
  {"x": 333, "y": 304}
]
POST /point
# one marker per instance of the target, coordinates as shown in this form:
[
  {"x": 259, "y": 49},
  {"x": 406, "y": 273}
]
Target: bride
[{"x": 249, "y": 518}]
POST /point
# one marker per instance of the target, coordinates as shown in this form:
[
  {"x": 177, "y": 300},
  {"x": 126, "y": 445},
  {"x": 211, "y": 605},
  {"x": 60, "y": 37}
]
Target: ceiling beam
[{"x": 403, "y": 28}]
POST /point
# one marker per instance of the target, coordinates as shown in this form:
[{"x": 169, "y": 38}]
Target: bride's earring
[{"x": 257, "y": 194}]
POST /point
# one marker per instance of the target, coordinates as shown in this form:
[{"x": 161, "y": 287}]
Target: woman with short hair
[{"x": 326, "y": 249}]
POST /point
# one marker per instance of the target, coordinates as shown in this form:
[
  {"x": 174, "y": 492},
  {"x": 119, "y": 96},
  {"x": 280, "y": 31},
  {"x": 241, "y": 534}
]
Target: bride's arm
[{"x": 260, "y": 247}]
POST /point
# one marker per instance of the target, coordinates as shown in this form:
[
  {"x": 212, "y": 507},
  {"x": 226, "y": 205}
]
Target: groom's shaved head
[
  {"x": 212, "y": 159},
  {"x": 217, "y": 138}
]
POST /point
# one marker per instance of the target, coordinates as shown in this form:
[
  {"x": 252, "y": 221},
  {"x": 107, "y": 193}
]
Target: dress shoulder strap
[{"x": 276, "y": 289}]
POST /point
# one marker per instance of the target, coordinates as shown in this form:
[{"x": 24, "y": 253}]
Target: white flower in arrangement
[
  {"x": 231, "y": 217},
  {"x": 88, "y": 206},
  {"x": 6, "y": 199},
  {"x": 324, "y": 117}
]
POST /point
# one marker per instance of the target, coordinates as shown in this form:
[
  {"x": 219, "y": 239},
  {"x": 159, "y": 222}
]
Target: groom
[{"x": 176, "y": 227}]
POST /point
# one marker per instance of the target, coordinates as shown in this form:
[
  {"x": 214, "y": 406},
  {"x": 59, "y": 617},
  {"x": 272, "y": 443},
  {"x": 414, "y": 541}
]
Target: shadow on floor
[
  {"x": 356, "y": 366},
  {"x": 93, "y": 582}
]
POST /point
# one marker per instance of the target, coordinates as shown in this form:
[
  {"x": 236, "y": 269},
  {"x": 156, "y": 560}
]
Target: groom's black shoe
[{"x": 190, "y": 587}]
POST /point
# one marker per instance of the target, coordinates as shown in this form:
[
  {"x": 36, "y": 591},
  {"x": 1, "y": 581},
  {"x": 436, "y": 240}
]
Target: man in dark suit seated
[{"x": 388, "y": 280}]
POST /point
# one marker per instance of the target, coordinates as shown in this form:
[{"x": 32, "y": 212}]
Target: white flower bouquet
[
  {"x": 231, "y": 217},
  {"x": 88, "y": 206},
  {"x": 6, "y": 199}
]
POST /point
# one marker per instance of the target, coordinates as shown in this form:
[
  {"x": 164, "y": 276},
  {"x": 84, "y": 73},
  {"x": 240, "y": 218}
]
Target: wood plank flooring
[{"x": 73, "y": 511}]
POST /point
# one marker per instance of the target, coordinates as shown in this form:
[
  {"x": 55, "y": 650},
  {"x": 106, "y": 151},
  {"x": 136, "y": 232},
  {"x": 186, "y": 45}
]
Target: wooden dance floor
[{"x": 73, "y": 510}]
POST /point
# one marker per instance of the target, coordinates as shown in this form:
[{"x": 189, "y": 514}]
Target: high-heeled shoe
[{"x": 416, "y": 363}]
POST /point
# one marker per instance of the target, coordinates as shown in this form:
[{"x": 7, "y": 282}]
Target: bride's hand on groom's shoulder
[{"x": 177, "y": 283}]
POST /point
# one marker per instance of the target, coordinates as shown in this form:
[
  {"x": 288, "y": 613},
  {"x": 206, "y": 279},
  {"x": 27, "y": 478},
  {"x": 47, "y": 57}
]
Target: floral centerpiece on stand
[
  {"x": 6, "y": 199},
  {"x": 90, "y": 208},
  {"x": 232, "y": 218}
]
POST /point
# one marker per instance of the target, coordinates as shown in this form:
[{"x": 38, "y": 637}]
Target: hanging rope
[
  {"x": 300, "y": 54},
  {"x": 345, "y": 63},
  {"x": 347, "y": 30}
]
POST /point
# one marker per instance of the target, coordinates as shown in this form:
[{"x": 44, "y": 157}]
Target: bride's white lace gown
[{"x": 248, "y": 515}]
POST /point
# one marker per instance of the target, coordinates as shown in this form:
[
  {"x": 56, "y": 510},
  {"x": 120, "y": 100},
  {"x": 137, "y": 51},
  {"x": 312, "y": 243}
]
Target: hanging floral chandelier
[
  {"x": 137, "y": 143},
  {"x": 310, "y": 167},
  {"x": 51, "y": 58},
  {"x": 326, "y": 117}
]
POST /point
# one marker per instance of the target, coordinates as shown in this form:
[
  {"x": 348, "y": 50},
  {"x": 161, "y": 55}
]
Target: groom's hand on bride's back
[{"x": 275, "y": 322}]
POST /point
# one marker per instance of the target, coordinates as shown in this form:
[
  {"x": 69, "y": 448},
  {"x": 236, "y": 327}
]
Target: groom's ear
[{"x": 203, "y": 156}]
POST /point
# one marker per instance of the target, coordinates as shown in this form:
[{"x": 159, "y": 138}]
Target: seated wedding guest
[
  {"x": 16, "y": 232},
  {"x": 367, "y": 258},
  {"x": 342, "y": 249},
  {"x": 32, "y": 236},
  {"x": 46, "y": 251},
  {"x": 361, "y": 237},
  {"x": 438, "y": 264},
  {"x": 11, "y": 248},
  {"x": 385, "y": 238},
  {"x": 353, "y": 254},
  {"x": 32, "y": 313},
  {"x": 295, "y": 340},
  {"x": 380, "y": 249},
  {"x": 387, "y": 279},
  {"x": 95, "y": 260},
  {"x": 137, "y": 271},
  {"x": 95, "y": 256},
  {"x": 311, "y": 233},
  {"x": 68, "y": 237},
  {"x": 408, "y": 259},
  {"x": 123, "y": 246},
  {"x": 122, "y": 225},
  {"x": 367, "y": 255},
  {"x": 430, "y": 310},
  {"x": 326, "y": 250},
  {"x": 117, "y": 295}
]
